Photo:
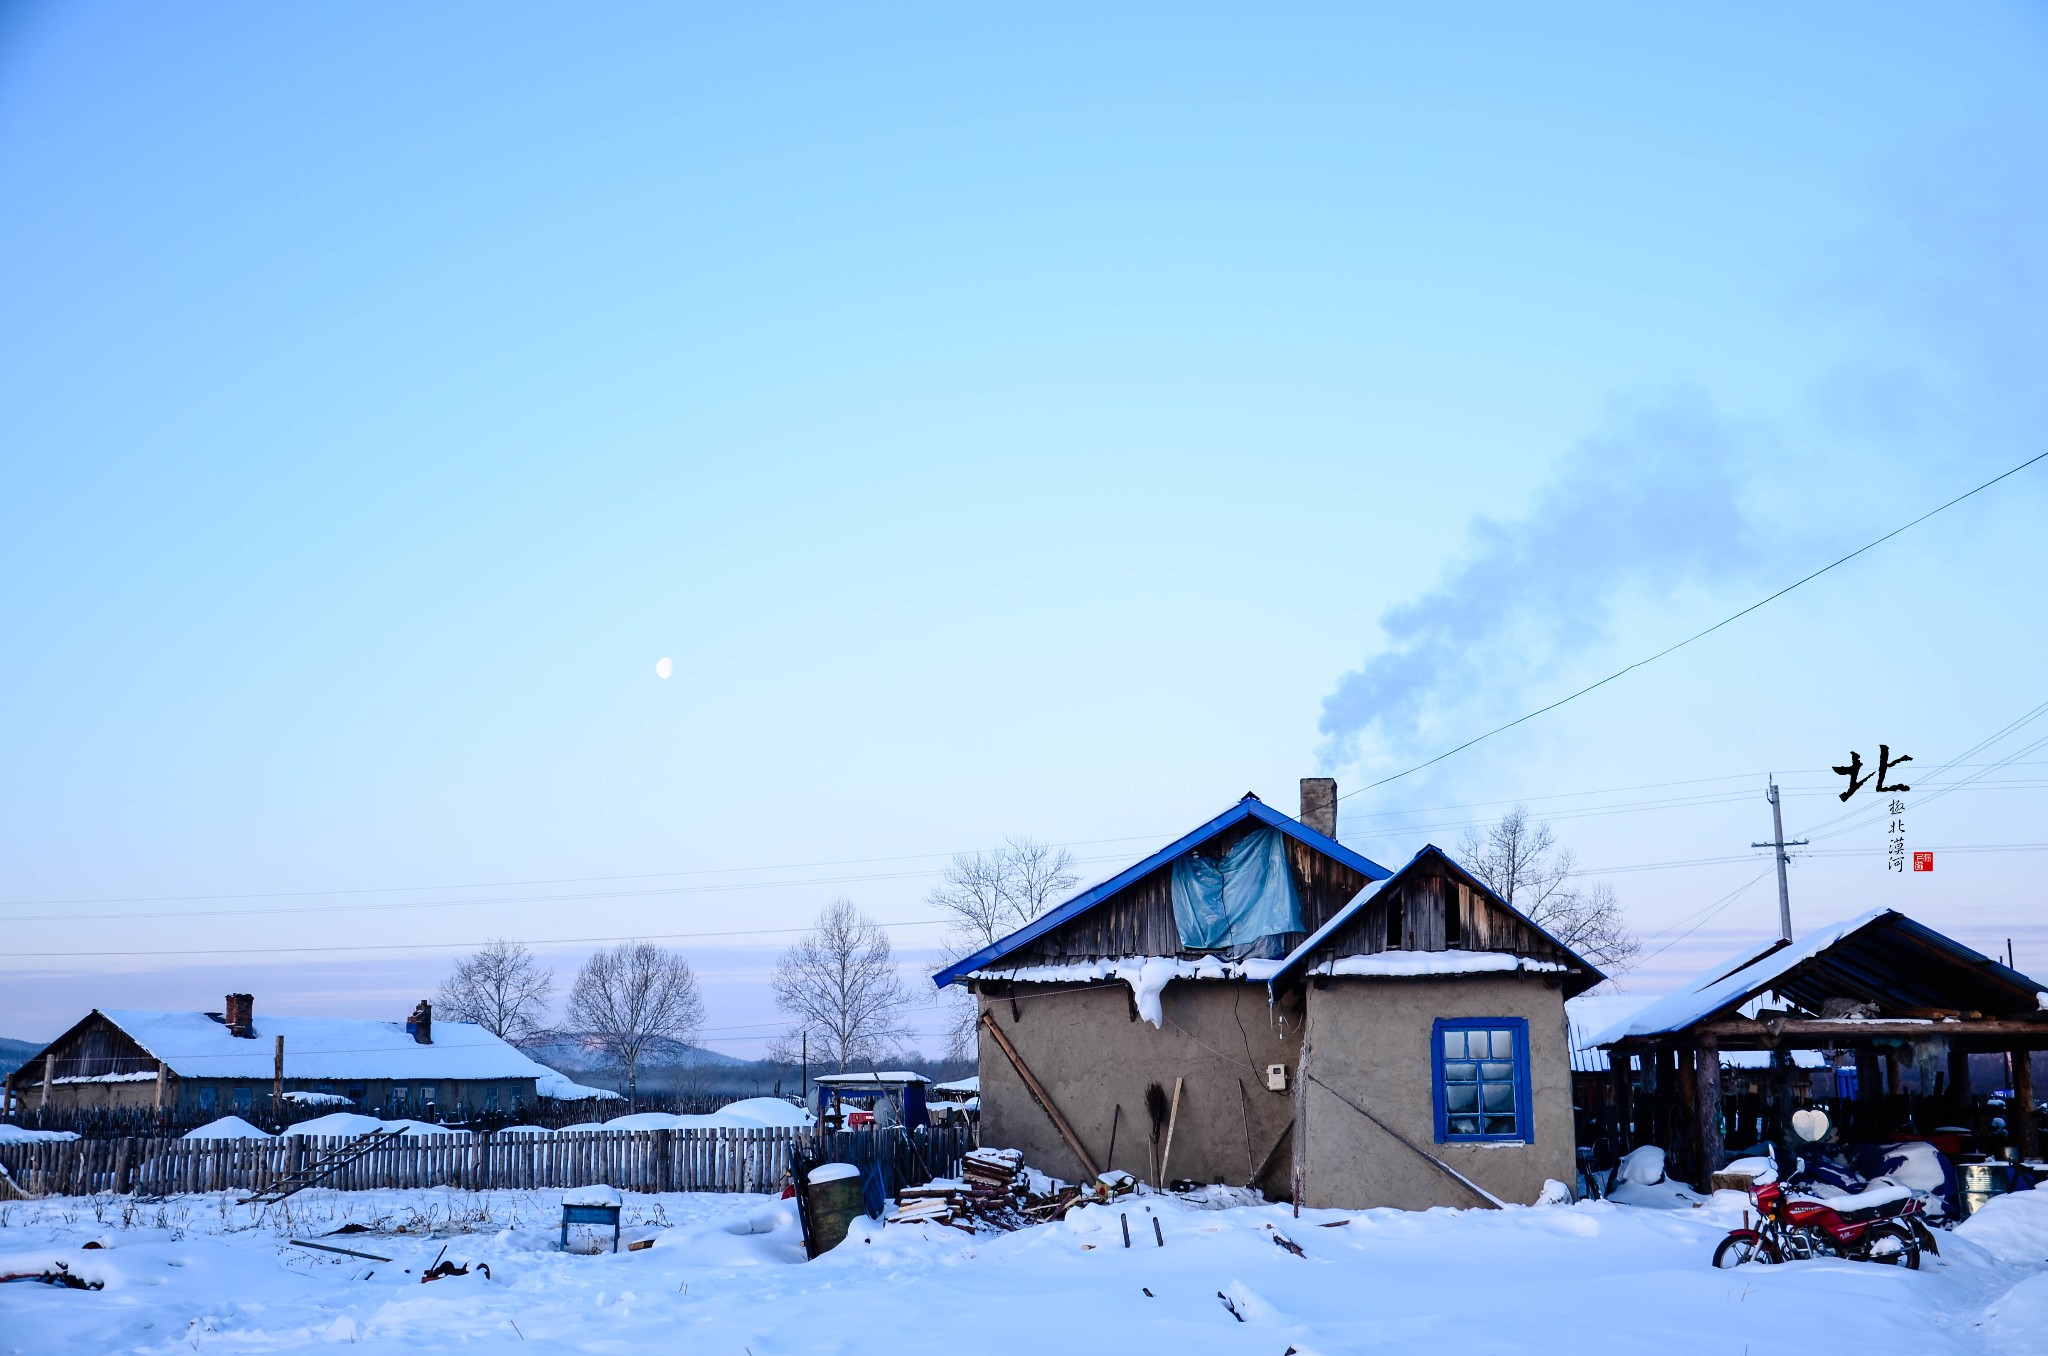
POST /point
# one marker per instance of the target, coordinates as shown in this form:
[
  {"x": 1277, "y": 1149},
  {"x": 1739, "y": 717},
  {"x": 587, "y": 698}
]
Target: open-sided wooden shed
[{"x": 1889, "y": 990}]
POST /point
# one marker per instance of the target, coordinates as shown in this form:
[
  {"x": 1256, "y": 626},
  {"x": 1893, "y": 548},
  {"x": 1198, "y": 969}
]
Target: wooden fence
[{"x": 632, "y": 1160}]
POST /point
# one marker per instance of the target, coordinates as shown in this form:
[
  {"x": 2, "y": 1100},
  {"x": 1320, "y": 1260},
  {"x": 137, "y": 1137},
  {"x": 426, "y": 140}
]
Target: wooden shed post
[
  {"x": 162, "y": 1074},
  {"x": 277, "y": 1084},
  {"x": 1707, "y": 1099},
  {"x": 1958, "y": 1080},
  {"x": 49, "y": 1076},
  {"x": 1618, "y": 1070},
  {"x": 1685, "y": 1135},
  {"x": 2025, "y": 1132},
  {"x": 1867, "y": 1076}
]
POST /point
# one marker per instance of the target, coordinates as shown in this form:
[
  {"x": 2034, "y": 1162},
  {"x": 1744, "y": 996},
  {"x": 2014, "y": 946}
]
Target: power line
[
  {"x": 1701, "y": 634},
  {"x": 1707, "y": 916}
]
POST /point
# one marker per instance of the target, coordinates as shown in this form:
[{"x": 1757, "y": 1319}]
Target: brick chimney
[
  {"x": 241, "y": 1015},
  {"x": 1319, "y": 804},
  {"x": 420, "y": 1026}
]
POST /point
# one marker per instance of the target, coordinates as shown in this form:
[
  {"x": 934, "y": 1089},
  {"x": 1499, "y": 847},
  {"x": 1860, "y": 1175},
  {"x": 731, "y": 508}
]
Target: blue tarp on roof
[
  {"x": 1238, "y": 898},
  {"x": 1251, "y": 807}
]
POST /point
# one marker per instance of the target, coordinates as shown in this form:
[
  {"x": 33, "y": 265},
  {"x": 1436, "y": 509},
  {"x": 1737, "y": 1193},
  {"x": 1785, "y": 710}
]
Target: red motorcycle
[{"x": 1881, "y": 1225}]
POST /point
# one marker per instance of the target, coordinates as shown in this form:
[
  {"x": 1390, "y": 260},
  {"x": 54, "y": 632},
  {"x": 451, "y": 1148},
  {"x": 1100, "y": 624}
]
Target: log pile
[{"x": 993, "y": 1193}]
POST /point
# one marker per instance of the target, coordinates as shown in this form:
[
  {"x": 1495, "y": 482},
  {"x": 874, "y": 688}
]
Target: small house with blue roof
[{"x": 1258, "y": 1004}]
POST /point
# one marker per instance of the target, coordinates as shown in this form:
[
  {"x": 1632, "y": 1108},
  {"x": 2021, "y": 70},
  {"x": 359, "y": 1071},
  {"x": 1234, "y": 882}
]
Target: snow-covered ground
[{"x": 726, "y": 1274}]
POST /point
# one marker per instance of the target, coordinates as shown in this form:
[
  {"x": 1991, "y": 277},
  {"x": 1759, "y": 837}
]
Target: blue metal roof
[{"x": 1251, "y": 807}]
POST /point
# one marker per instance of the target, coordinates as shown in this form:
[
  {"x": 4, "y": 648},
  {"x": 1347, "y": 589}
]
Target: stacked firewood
[
  {"x": 986, "y": 1194},
  {"x": 994, "y": 1192}
]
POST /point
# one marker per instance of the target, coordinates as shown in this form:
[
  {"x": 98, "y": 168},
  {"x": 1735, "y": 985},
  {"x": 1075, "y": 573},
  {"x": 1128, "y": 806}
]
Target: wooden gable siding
[
  {"x": 96, "y": 1048},
  {"x": 1425, "y": 911},
  {"x": 1138, "y": 919}
]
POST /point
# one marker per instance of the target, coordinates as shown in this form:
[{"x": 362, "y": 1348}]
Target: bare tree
[
  {"x": 985, "y": 896},
  {"x": 1522, "y": 863},
  {"x": 636, "y": 998},
  {"x": 839, "y": 985},
  {"x": 501, "y": 988}
]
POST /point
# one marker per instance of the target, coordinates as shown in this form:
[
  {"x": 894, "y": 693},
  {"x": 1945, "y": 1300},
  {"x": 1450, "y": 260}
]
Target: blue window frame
[
  {"x": 1482, "y": 1080},
  {"x": 209, "y": 1098}
]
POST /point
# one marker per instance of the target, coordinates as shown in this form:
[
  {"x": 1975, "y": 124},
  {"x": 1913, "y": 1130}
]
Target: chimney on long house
[
  {"x": 1319, "y": 804},
  {"x": 241, "y": 1015},
  {"x": 420, "y": 1026}
]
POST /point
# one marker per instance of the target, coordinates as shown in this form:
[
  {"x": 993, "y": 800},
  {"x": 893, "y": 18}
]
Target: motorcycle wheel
[
  {"x": 1925, "y": 1233},
  {"x": 1743, "y": 1246},
  {"x": 1894, "y": 1245}
]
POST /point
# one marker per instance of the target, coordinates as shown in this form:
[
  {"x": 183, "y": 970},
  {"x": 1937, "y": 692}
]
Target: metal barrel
[
  {"x": 833, "y": 1193},
  {"x": 1980, "y": 1182}
]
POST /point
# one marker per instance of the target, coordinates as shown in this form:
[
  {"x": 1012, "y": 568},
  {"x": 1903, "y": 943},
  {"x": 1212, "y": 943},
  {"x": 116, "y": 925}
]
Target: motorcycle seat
[{"x": 1874, "y": 1203}]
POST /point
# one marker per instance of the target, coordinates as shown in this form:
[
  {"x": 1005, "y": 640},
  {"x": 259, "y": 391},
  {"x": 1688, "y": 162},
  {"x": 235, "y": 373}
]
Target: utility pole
[{"x": 1778, "y": 845}]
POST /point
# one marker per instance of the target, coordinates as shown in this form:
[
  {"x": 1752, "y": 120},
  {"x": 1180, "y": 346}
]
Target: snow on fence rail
[{"x": 632, "y": 1160}]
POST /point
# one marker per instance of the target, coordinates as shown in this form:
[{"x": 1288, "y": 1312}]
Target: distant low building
[{"x": 184, "y": 1064}]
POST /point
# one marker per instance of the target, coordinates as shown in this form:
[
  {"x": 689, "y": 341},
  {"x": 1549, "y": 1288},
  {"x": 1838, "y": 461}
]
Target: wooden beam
[
  {"x": 1038, "y": 1092},
  {"x": 1618, "y": 1072},
  {"x": 1266, "y": 1163},
  {"x": 1868, "y": 1079},
  {"x": 2026, "y": 1133},
  {"x": 1172, "y": 1118},
  {"x": 1707, "y": 1107},
  {"x": 1743, "y": 1034},
  {"x": 1688, "y": 1089}
]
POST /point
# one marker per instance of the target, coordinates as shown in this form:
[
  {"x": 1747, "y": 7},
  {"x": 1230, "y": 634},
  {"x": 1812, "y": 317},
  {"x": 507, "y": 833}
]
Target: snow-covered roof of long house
[
  {"x": 1881, "y": 956},
  {"x": 196, "y": 1045}
]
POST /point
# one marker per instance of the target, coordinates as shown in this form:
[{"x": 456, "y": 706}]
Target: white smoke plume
[{"x": 1647, "y": 508}]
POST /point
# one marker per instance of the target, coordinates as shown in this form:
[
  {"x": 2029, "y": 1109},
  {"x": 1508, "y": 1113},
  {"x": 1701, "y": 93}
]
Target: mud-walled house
[{"x": 1257, "y": 1004}]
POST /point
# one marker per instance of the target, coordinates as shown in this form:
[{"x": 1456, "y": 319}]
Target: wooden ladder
[{"x": 322, "y": 1168}]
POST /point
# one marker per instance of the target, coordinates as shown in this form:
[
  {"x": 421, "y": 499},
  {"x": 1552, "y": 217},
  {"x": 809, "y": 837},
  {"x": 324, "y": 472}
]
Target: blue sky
[{"x": 1009, "y": 424}]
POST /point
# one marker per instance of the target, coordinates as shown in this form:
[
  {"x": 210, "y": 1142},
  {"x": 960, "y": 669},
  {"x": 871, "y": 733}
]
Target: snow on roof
[
  {"x": 194, "y": 1045},
  {"x": 1404, "y": 964},
  {"x": 1148, "y": 976},
  {"x": 1589, "y": 1015},
  {"x": 960, "y": 1085},
  {"x": 561, "y": 1088},
  {"x": 885, "y": 1076},
  {"x": 1339, "y": 918},
  {"x": 1728, "y": 984}
]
